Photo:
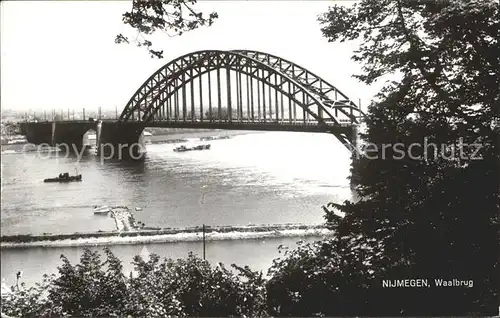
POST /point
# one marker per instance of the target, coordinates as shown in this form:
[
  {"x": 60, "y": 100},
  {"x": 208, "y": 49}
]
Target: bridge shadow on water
[{"x": 135, "y": 163}]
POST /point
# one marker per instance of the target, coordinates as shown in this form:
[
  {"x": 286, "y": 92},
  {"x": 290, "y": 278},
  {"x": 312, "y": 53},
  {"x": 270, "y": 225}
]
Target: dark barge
[{"x": 64, "y": 177}]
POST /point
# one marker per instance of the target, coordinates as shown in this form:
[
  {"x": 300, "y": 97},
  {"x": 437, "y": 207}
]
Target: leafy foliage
[
  {"x": 426, "y": 210},
  {"x": 191, "y": 287},
  {"x": 434, "y": 214},
  {"x": 25, "y": 301},
  {"x": 90, "y": 288},
  {"x": 157, "y": 288},
  {"x": 319, "y": 279},
  {"x": 173, "y": 17}
]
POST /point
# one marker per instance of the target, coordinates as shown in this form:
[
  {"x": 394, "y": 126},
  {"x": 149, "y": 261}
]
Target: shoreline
[
  {"x": 167, "y": 235},
  {"x": 172, "y": 136}
]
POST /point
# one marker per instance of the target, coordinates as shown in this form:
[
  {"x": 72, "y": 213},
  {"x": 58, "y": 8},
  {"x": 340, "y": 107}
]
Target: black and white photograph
[{"x": 250, "y": 158}]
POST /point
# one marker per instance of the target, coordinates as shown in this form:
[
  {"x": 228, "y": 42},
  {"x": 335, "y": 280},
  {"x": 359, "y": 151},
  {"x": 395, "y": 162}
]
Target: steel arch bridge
[{"x": 245, "y": 88}]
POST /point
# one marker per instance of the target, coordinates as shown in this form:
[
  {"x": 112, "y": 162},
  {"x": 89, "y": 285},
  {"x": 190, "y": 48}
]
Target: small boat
[
  {"x": 199, "y": 147},
  {"x": 208, "y": 138},
  {"x": 64, "y": 177},
  {"x": 138, "y": 208},
  {"x": 214, "y": 138},
  {"x": 103, "y": 209}
]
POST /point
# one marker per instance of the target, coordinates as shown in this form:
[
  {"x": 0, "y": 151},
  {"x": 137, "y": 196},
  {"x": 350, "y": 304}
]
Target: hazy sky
[{"x": 61, "y": 54}]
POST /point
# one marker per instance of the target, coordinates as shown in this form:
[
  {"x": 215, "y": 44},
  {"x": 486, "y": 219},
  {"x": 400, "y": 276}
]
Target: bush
[{"x": 157, "y": 288}]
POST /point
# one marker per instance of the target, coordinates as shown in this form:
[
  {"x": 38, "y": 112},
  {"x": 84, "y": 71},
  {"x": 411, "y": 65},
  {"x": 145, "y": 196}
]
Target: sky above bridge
[{"x": 61, "y": 54}]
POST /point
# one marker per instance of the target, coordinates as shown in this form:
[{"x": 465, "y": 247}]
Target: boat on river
[
  {"x": 103, "y": 209},
  {"x": 65, "y": 177},
  {"x": 214, "y": 138},
  {"x": 181, "y": 149},
  {"x": 199, "y": 147}
]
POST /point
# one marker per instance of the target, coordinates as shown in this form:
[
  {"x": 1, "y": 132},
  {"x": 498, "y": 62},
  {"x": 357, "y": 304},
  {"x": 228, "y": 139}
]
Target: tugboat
[{"x": 65, "y": 177}]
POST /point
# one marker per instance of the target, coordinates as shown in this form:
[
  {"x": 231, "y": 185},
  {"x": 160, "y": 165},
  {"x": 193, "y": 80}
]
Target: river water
[{"x": 253, "y": 178}]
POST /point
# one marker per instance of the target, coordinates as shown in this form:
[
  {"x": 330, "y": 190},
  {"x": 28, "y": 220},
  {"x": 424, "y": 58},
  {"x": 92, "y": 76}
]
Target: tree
[
  {"x": 90, "y": 288},
  {"x": 424, "y": 210},
  {"x": 173, "y": 17},
  {"x": 417, "y": 216},
  {"x": 22, "y": 301},
  {"x": 318, "y": 279},
  {"x": 191, "y": 287},
  {"x": 11, "y": 128},
  {"x": 157, "y": 288}
]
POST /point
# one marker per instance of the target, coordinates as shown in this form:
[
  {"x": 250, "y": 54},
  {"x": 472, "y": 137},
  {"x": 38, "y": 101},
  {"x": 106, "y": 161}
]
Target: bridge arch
[
  {"x": 313, "y": 97},
  {"x": 316, "y": 89},
  {"x": 330, "y": 95},
  {"x": 155, "y": 103},
  {"x": 261, "y": 78}
]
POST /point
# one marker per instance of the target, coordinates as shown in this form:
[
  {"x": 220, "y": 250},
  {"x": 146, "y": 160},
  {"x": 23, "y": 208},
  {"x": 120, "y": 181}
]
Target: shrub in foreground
[{"x": 156, "y": 288}]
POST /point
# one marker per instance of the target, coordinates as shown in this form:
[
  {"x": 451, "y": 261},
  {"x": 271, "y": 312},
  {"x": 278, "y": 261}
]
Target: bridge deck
[{"x": 263, "y": 125}]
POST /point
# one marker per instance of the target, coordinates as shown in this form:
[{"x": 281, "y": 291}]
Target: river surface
[{"x": 254, "y": 178}]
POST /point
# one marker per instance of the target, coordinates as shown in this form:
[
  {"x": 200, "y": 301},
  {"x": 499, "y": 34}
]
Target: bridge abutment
[
  {"x": 38, "y": 133},
  {"x": 120, "y": 140},
  {"x": 23, "y": 128},
  {"x": 69, "y": 135}
]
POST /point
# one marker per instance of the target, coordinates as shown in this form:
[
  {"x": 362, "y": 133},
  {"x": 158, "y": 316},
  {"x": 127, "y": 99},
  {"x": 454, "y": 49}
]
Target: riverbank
[
  {"x": 159, "y": 136},
  {"x": 157, "y": 131},
  {"x": 166, "y": 235},
  {"x": 178, "y": 135}
]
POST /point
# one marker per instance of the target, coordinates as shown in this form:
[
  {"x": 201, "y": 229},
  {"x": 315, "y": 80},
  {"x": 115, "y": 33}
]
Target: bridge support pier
[
  {"x": 23, "y": 128},
  {"x": 120, "y": 140},
  {"x": 38, "y": 133},
  {"x": 69, "y": 135},
  {"x": 66, "y": 134}
]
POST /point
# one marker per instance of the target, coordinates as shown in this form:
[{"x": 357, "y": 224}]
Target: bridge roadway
[
  {"x": 255, "y": 125},
  {"x": 235, "y": 124},
  {"x": 115, "y": 132}
]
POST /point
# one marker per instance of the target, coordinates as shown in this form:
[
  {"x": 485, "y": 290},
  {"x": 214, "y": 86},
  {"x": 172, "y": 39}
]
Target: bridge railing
[
  {"x": 261, "y": 121},
  {"x": 70, "y": 115},
  {"x": 297, "y": 122}
]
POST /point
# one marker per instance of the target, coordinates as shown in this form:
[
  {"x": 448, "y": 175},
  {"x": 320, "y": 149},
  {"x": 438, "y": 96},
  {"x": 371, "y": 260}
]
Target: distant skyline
[{"x": 62, "y": 55}]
